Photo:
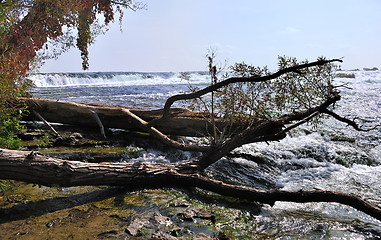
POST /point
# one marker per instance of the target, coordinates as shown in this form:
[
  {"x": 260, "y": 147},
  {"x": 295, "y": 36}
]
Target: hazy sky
[{"x": 175, "y": 35}]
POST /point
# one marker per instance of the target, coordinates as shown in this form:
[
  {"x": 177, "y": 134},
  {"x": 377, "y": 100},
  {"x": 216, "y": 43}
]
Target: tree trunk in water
[
  {"x": 183, "y": 122},
  {"x": 34, "y": 168}
]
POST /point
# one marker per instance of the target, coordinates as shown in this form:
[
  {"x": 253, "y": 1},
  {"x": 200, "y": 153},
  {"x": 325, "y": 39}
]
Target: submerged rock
[
  {"x": 195, "y": 212},
  {"x": 73, "y": 140}
]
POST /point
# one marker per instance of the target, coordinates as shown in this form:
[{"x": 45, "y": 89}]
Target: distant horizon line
[{"x": 190, "y": 71}]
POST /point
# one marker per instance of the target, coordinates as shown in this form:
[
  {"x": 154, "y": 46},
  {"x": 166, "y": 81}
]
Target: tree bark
[
  {"x": 183, "y": 123},
  {"x": 35, "y": 168}
]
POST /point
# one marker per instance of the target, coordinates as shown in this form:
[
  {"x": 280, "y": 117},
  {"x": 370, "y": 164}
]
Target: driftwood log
[
  {"x": 183, "y": 122},
  {"x": 35, "y": 168}
]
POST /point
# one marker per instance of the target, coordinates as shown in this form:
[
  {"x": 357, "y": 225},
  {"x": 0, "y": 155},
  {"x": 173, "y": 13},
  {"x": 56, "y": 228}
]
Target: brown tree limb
[
  {"x": 347, "y": 121},
  {"x": 265, "y": 131},
  {"x": 297, "y": 116},
  {"x": 48, "y": 171},
  {"x": 214, "y": 87}
]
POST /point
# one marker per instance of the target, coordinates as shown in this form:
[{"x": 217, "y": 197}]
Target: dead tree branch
[{"x": 347, "y": 121}]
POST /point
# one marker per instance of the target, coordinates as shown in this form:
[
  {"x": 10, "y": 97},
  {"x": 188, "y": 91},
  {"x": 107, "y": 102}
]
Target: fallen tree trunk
[
  {"x": 183, "y": 123},
  {"x": 35, "y": 168}
]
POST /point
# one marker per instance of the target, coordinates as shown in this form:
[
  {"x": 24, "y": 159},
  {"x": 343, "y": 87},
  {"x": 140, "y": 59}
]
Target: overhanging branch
[
  {"x": 348, "y": 121},
  {"x": 214, "y": 87}
]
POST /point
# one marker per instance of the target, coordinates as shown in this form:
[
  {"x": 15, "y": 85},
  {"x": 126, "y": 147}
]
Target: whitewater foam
[{"x": 115, "y": 78}]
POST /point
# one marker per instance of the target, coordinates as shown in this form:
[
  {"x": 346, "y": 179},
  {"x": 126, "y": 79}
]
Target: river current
[{"x": 332, "y": 156}]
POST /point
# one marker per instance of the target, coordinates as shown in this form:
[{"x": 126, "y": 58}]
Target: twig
[
  {"x": 298, "y": 123},
  {"x": 344, "y": 85}
]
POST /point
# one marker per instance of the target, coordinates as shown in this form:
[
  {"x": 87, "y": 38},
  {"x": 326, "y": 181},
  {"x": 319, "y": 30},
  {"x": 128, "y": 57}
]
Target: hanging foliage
[{"x": 27, "y": 25}]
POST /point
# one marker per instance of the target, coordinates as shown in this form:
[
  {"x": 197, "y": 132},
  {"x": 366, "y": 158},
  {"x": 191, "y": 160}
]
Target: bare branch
[
  {"x": 297, "y": 116},
  {"x": 349, "y": 122}
]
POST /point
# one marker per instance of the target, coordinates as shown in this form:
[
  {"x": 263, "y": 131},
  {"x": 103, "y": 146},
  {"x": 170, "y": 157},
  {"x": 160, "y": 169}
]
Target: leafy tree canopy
[{"x": 26, "y": 26}]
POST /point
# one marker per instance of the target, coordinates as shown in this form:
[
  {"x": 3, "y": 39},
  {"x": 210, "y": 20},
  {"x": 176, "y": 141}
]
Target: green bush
[
  {"x": 9, "y": 127},
  {"x": 10, "y": 143}
]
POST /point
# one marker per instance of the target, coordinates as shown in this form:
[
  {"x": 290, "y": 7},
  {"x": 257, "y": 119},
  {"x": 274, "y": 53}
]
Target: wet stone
[
  {"x": 73, "y": 140},
  {"x": 180, "y": 204},
  {"x": 191, "y": 214},
  {"x": 145, "y": 223},
  {"x": 53, "y": 223},
  {"x": 163, "y": 236}
]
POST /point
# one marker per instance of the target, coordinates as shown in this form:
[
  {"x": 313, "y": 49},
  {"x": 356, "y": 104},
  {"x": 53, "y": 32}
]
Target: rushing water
[{"x": 331, "y": 157}]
